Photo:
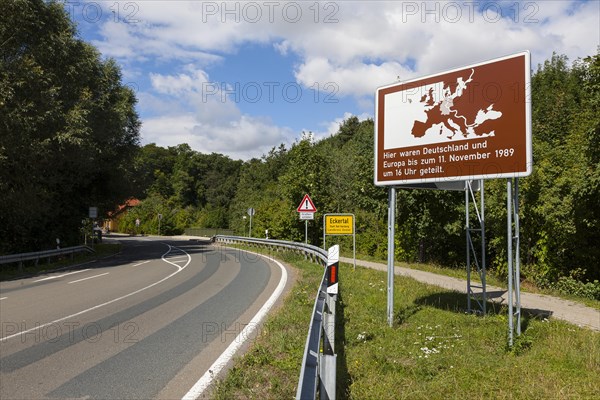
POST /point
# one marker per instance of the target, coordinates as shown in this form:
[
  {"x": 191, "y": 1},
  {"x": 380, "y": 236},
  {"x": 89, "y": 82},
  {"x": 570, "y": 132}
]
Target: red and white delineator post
[
  {"x": 327, "y": 360},
  {"x": 333, "y": 265}
]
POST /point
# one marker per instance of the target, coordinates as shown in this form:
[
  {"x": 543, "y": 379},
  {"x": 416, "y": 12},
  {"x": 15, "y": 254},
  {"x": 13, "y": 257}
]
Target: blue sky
[{"x": 240, "y": 77}]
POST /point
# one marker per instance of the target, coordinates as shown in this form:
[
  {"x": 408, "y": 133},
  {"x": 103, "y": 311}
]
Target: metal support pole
[
  {"x": 483, "y": 266},
  {"x": 517, "y": 278},
  {"x": 250, "y": 230},
  {"x": 327, "y": 374},
  {"x": 391, "y": 250},
  {"x": 305, "y": 231},
  {"x": 472, "y": 256},
  {"x": 468, "y": 236},
  {"x": 354, "y": 240},
  {"x": 509, "y": 199},
  {"x": 514, "y": 259}
]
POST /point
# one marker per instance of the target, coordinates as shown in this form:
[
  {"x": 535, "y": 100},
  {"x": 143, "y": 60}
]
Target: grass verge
[{"x": 433, "y": 351}]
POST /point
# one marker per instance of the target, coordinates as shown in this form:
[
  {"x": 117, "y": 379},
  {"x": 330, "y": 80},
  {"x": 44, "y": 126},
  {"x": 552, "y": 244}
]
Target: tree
[
  {"x": 68, "y": 127},
  {"x": 559, "y": 202}
]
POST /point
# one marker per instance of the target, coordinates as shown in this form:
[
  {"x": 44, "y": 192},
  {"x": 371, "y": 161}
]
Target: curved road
[{"x": 147, "y": 323}]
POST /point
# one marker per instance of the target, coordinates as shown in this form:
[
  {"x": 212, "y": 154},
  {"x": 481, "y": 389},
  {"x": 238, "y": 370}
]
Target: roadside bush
[{"x": 569, "y": 285}]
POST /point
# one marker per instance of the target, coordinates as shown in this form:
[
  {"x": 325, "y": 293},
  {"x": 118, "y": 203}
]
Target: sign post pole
[
  {"x": 305, "y": 231},
  {"x": 251, "y": 212},
  {"x": 391, "y": 250}
]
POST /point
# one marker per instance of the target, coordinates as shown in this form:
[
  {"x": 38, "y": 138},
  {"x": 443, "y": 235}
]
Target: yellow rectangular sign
[{"x": 339, "y": 224}]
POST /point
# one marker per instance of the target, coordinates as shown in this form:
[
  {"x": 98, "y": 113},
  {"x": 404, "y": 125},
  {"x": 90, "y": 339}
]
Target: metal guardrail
[
  {"x": 207, "y": 232},
  {"x": 318, "y": 369},
  {"x": 316, "y": 254},
  {"x": 37, "y": 255}
]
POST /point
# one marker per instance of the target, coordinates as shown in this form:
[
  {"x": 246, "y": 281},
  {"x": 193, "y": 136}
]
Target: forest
[{"x": 69, "y": 138}]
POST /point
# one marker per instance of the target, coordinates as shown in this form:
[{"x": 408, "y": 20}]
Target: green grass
[
  {"x": 434, "y": 350},
  {"x": 12, "y": 271}
]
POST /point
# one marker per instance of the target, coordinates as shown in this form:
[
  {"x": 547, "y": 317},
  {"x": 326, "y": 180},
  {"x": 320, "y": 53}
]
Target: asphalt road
[{"x": 147, "y": 323}]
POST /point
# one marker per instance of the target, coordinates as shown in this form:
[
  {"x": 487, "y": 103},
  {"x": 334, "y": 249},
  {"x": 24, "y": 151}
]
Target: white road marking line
[
  {"x": 89, "y": 277},
  {"x": 213, "y": 371},
  {"x": 3, "y": 298},
  {"x": 62, "y": 275},
  {"x": 189, "y": 258},
  {"x": 179, "y": 269},
  {"x": 138, "y": 264}
]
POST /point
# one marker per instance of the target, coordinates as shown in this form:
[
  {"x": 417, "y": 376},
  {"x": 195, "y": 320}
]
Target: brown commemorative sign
[{"x": 469, "y": 123}]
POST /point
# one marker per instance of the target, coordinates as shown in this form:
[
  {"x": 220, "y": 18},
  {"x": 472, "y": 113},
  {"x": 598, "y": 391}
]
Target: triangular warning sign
[{"x": 307, "y": 205}]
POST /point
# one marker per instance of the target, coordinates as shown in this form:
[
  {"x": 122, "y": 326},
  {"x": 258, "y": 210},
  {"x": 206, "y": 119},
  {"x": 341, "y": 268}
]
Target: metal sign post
[
  {"x": 514, "y": 282},
  {"x": 251, "y": 212},
  {"x": 480, "y": 265},
  {"x": 305, "y": 231},
  {"x": 391, "y": 250}
]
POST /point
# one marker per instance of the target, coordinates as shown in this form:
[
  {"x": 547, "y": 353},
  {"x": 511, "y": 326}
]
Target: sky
[{"x": 241, "y": 77}]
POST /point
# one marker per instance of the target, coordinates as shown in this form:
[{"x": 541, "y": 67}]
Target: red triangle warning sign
[{"x": 307, "y": 205}]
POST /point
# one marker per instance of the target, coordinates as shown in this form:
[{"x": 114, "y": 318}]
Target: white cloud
[
  {"x": 355, "y": 45},
  {"x": 197, "y": 112},
  {"x": 243, "y": 138},
  {"x": 356, "y": 79},
  {"x": 354, "y": 35},
  {"x": 438, "y": 36}
]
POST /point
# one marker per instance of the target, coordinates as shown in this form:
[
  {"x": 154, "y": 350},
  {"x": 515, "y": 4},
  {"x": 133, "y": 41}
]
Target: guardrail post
[
  {"x": 327, "y": 371},
  {"x": 327, "y": 360}
]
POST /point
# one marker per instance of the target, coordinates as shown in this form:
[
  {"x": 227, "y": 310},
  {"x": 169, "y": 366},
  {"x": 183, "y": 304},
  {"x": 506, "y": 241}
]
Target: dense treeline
[
  {"x": 68, "y": 128},
  {"x": 69, "y": 140},
  {"x": 560, "y": 201},
  {"x": 560, "y": 225}
]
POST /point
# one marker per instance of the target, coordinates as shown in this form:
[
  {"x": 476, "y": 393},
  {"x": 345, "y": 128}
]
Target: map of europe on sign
[
  {"x": 431, "y": 115},
  {"x": 468, "y": 123}
]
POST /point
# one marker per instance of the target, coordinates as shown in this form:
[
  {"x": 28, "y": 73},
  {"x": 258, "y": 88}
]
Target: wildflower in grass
[{"x": 363, "y": 337}]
